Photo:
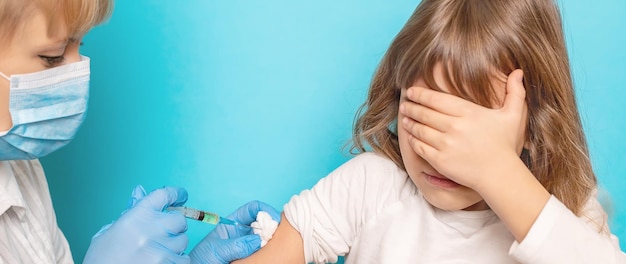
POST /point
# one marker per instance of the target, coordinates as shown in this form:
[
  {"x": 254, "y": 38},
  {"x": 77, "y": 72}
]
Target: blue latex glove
[
  {"x": 144, "y": 233},
  {"x": 228, "y": 243}
]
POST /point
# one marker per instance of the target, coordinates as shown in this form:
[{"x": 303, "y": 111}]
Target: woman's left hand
[
  {"x": 227, "y": 243},
  {"x": 464, "y": 141}
]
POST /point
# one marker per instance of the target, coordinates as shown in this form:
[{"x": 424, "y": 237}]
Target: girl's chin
[{"x": 456, "y": 204}]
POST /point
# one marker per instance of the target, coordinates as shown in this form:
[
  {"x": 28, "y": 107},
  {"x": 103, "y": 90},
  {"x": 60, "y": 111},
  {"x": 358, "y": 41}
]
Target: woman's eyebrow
[{"x": 54, "y": 46}]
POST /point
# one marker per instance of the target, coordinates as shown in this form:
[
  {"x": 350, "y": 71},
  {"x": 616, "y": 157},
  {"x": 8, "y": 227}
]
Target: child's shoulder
[
  {"x": 372, "y": 161},
  {"x": 372, "y": 169}
]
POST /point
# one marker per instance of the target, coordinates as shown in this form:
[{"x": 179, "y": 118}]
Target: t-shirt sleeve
[
  {"x": 559, "y": 236},
  {"x": 329, "y": 216}
]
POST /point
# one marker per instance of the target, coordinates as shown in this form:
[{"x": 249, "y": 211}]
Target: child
[{"x": 486, "y": 164}]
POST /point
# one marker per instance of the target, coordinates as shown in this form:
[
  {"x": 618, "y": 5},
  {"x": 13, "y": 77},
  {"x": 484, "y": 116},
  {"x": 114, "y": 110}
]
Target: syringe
[{"x": 203, "y": 216}]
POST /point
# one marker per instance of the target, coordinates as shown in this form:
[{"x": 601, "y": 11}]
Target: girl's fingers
[
  {"x": 439, "y": 101},
  {"x": 423, "y": 133},
  {"x": 515, "y": 104},
  {"x": 515, "y": 92},
  {"x": 426, "y": 116},
  {"x": 422, "y": 149}
]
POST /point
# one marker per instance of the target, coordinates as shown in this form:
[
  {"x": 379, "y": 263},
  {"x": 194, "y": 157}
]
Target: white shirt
[
  {"x": 370, "y": 211},
  {"x": 28, "y": 227}
]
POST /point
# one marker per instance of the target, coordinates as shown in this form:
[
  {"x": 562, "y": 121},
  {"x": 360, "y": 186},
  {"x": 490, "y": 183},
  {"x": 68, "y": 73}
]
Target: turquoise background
[{"x": 241, "y": 100}]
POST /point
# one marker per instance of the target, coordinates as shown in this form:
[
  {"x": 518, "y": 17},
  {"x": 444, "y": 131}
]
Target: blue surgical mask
[{"x": 47, "y": 108}]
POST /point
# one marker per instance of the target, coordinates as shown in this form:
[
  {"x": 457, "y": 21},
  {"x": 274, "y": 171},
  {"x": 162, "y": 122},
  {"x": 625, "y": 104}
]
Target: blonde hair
[
  {"x": 78, "y": 15},
  {"x": 476, "y": 38}
]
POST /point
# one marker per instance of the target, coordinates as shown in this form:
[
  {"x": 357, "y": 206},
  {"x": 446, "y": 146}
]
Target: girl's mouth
[{"x": 440, "y": 181}]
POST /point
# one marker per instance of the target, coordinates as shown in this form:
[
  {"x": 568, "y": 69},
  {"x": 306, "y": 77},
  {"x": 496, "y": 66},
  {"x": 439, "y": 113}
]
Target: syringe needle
[{"x": 203, "y": 216}]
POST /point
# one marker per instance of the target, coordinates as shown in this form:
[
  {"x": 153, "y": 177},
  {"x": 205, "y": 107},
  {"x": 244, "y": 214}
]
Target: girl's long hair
[{"x": 475, "y": 39}]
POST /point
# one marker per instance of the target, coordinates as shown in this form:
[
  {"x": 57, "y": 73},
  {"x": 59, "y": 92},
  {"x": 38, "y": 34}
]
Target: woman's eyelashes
[{"x": 52, "y": 61}]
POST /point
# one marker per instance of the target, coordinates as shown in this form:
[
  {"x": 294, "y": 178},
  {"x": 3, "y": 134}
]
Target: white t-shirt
[
  {"x": 370, "y": 211},
  {"x": 28, "y": 227}
]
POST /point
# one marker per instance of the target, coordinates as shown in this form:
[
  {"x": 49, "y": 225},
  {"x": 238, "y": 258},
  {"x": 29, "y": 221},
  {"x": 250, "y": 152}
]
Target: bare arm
[{"x": 286, "y": 246}]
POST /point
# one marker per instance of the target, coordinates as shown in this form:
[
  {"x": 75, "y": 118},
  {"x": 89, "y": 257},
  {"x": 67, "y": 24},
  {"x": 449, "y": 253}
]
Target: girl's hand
[{"x": 464, "y": 141}]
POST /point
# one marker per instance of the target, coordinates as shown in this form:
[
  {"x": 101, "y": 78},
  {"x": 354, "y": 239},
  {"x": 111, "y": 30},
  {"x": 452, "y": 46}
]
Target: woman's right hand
[{"x": 145, "y": 233}]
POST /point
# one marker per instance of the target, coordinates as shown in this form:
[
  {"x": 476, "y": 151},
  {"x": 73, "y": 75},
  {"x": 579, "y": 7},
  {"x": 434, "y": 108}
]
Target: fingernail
[
  {"x": 139, "y": 190},
  {"x": 520, "y": 77},
  {"x": 409, "y": 92},
  {"x": 405, "y": 121}
]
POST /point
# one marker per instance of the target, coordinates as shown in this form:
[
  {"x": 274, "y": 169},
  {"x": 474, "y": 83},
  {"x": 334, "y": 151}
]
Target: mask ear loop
[
  {"x": 393, "y": 126},
  {"x": 4, "y": 76}
]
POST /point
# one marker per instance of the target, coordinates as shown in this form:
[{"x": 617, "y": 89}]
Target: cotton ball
[{"x": 264, "y": 226}]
